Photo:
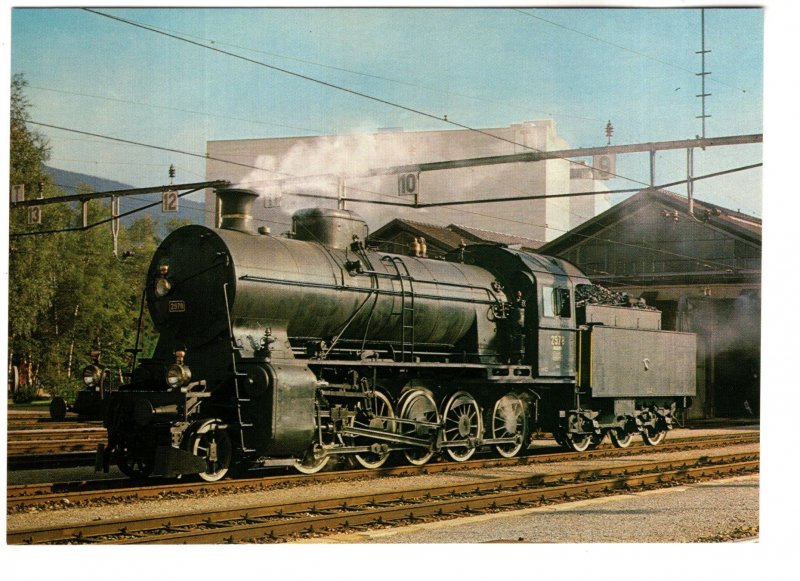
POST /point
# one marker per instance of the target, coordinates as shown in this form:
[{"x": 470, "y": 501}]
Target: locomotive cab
[{"x": 543, "y": 290}]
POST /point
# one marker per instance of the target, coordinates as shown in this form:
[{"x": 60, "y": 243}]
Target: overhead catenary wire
[
  {"x": 178, "y": 109},
  {"x": 151, "y": 146}
]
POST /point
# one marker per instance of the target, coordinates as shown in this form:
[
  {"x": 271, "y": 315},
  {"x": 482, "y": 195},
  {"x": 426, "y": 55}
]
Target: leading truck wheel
[
  {"x": 133, "y": 465},
  {"x": 311, "y": 465},
  {"x": 212, "y": 444}
]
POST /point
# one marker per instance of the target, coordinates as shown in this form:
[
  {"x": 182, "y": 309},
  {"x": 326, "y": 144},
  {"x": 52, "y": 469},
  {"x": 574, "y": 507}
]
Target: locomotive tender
[{"x": 293, "y": 351}]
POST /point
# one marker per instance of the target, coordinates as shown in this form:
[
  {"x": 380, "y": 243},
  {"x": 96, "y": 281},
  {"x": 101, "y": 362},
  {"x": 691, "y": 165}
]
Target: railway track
[
  {"x": 271, "y": 523},
  {"x": 34, "y": 440},
  {"x": 54, "y": 441},
  {"x": 118, "y": 490}
]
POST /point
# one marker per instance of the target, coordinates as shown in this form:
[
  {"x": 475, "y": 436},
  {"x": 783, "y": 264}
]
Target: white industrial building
[{"x": 288, "y": 171}]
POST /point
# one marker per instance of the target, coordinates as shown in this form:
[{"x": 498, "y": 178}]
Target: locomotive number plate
[{"x": 177, "y": 306}]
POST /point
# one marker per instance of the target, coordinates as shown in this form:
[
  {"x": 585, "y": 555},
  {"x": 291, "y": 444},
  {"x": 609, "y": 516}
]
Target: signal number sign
[
  {"x": 407, "y": 184},
  {"x": 18, "y": 193},
  {"x": 35, "y": 215},
  {"x": 169, "y": 201}
]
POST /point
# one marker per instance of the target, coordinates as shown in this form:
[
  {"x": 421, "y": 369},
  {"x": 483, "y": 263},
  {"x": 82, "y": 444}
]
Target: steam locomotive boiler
[{"x": 291, "y": 351}]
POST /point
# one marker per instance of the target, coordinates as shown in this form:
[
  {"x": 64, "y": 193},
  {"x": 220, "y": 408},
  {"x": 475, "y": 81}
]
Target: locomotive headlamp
[
  {"x": 178, "y": 374},
  {"x": 162, "y": 284},
  {"x": 162, "y": 287},
  {"x": 91, "y": 375}
]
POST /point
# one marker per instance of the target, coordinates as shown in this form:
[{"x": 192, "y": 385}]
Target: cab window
[{"x": 556, "y": 302}]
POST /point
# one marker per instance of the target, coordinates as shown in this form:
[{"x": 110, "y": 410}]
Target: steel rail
[
  {"x": 35, "y": 434},
  {"x": 18, "y": 496},
  {"x": 17, "y": 423},
  {"x": 283, "y": 519}
]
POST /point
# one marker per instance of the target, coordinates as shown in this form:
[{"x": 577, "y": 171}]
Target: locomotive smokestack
[{"x": 236, "y": 209}]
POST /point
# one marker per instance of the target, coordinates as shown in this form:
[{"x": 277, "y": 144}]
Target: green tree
[
  {"x": 175, "y": 223},
  {"x": 30, "y": 285},
  {"x": 68, "y": 292}
]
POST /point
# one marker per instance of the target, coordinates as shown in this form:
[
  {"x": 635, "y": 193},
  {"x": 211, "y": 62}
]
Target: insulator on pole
[{"x": 609, "y": 131}]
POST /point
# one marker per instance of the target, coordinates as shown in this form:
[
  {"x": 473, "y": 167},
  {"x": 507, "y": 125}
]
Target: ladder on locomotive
[
  {"x": 406, "y": 307},
  {"x": 238, "y": 376}
]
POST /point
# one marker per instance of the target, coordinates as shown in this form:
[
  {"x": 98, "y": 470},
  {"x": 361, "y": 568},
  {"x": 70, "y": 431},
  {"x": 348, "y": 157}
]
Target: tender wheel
[
  {"x": 579, "y": 443},
  {"x": 311, "y": 465},
  {"x": 597, "y": 439},
  {"x": 510, "y": 419},
  {"x": 418, "y": 405},
  {"x": 383, "y": 407},
  {"x": 462, "y": 421},
  {"x": 653, "y": 436},
  {"x": 620, "y": 437},
  {"x": 133, "y": 465},
  {"x": 58, "y": 409},
  {"x": 213, "y": 445}
]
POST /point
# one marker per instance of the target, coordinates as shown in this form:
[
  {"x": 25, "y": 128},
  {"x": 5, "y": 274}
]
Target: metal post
[
  {"x": 342, "y": 195},
  {"x": 652, "y": 168},
  {"x": 690, "y": 179},
  {"x": 115, "y": 223}
]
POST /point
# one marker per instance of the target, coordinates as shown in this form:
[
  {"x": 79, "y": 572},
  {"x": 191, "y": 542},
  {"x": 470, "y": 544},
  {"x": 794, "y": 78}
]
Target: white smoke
[{"x": 320, "y": 165}]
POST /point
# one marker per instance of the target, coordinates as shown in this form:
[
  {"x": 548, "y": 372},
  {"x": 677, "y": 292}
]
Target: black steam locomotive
[{"x": 293, "y": 351}]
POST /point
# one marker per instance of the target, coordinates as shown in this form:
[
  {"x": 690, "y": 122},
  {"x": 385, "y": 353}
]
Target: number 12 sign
[{"x": 169, "y": 201}]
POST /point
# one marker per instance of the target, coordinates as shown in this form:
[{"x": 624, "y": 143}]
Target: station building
[{"x": 298, "y": 172}]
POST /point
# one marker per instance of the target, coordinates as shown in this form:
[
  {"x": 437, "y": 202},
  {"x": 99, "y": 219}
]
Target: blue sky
[{"x": 481, "y": 67}]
